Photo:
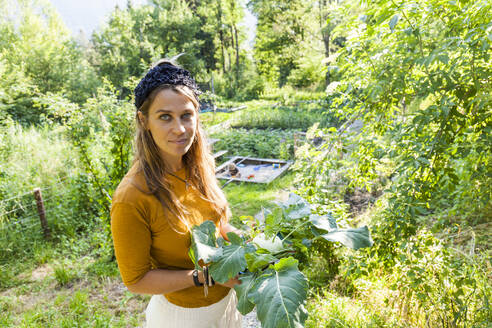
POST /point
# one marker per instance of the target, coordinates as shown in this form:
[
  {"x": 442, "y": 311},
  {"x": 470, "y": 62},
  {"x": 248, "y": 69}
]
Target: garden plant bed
[{"x": 248, "y": 169}]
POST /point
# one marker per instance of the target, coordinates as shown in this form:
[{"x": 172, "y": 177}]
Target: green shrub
[
  {"x": 256, "y": 143},
  {"x": 300, "y": 117}
]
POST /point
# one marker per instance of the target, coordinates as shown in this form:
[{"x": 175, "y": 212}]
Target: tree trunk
[
  {"x": 229, "y": 62},
  {"x": 325, "y": 34},
  {"x": 326, "y": 41},
  {"x": 221, "y": 34},
  {"x": 237, "y": 53},
  {"x": 232, "y": 46}
]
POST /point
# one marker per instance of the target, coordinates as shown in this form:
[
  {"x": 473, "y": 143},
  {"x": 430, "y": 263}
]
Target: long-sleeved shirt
[{"x": 144, "y": 238}]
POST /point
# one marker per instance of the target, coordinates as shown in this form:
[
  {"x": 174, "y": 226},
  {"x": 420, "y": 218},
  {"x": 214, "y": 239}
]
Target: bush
[
  {"x": 309, "y": 73},
  {"x": 250, "y": 85},
  {"x": 299, "y": 117},
  {"x": 256, "y": 143}
]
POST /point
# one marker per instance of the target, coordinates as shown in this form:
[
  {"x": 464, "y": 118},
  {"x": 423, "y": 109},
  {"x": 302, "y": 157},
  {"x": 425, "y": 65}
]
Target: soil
[{"x": 360, "y": 199}]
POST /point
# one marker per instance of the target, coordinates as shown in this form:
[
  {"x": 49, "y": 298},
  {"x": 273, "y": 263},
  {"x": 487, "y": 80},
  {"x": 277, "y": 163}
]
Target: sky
[{"x": 88, "y": 15}]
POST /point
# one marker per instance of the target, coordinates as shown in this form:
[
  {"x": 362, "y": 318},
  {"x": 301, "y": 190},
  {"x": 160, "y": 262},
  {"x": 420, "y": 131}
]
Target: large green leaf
[
  {"x": 392, "y": 22},
  {"x": 296, "y": 207},
  {"x": 226, "y": 264},
  {"x": 354, "y": 238},
  {"x": 273, "y": 245},
  {"x": 244, "y": 305},
  {"x": 326, "y": 222},
  {"x": 203, "y": 243},
  {"x": 257, "y": 261},
  {"x": 279, "y": 294}
]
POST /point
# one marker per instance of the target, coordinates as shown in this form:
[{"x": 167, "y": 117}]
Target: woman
[{"x": 170, "y": 187}]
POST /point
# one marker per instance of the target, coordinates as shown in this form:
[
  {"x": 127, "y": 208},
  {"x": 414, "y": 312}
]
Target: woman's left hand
[{"x": 231, "y": 282}]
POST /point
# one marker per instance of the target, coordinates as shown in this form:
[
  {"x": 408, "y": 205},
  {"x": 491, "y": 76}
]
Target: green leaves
[
  {"x": 256, "y": 262},
  {"x": 296, "y": 220},
  {"x": 326, "y": 222},
  {"x": 392, "y": 22},
  {"x": 296, "y": 207},
  {"x": 272, "y": 282},
  {"x": 280, "y": 294},
  {"x": 230, "y": 260},
  {"x": 272, "y": 245},
  {"x": 352, "y": 238},
  {"x": 278, "y": 290},
  {"x": 203, "y": 243},
  {"x": 244, "y": 305}
]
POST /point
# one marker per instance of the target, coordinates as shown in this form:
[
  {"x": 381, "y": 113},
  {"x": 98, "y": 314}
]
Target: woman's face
[{"x": 172, "y": 121}]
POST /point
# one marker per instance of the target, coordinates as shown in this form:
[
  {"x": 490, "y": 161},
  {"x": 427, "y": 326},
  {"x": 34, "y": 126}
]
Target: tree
[
  {"x": 39, "y": 56},
  {"x": 286, "y": 33}
]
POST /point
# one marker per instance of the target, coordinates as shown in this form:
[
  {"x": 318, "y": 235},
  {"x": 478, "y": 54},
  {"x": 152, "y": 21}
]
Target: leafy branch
[{"x": 269, "y": 274}]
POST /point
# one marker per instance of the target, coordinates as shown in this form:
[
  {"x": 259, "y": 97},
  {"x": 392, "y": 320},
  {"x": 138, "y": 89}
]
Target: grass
[
  {"x": 82, "y": 290},
  {"x": 331, "y": 310},
  {"x": 247, "y": 199},
  {"x": 80, "y": 306},
  {"x": 300, "y": 117},
  {"x": 268, "y": 114},
  {"x": 210, "y": 119},
  {"x": 256, "y": 143},
  {"x": 39, "y": 157},
  {"x": 71, "y": 281}
]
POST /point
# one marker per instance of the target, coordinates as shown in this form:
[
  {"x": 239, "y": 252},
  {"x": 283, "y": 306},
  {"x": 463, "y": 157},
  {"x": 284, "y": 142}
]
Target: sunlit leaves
[
  {"x": 393, "y": 22},
  {"x": 279, "y": 294},
  {"x": 276, "y": 287},
  {"x": 203, "y": 243},
  {"x": 244, "y": 305},
  {"x": 230, "y": 260}
]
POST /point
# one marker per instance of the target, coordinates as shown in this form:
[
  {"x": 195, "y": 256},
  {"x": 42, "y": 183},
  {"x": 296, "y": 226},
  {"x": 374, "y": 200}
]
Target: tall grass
[{"x": 38, "y": 158}]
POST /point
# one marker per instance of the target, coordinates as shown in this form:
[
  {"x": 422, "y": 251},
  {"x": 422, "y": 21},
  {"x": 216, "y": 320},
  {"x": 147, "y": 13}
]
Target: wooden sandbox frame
[{"x": 275, "y": 167}]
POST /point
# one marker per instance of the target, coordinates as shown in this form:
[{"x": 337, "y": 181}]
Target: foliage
[
  {"x": 296, "y": 220},
  {"x": 136, "y": 37},
  {"x": 256, "y": 143},
  {"x": 249, "y": 86},
  {"x": 287, "y": 95},
  {"x": 308, "y": 72},
  {"x": 273, "y": 284},
  {"x": 41, "y": 158},
  {"x": 102, "y": 133},
  {"x": 299, "y": 116},
  {"x": 283, "y": 38},
  {"x": 280, "y": 284},
  {"x": 415, "y": 94},
  {"x": 433, "y": 105},
  {"x": 38, "y": 56},
  {"x": 453, "y": 288},
  {"x": 328, "y": 309}
]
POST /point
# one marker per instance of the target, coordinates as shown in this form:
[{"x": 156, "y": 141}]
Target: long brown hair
[{"x": 198, "y": 161}]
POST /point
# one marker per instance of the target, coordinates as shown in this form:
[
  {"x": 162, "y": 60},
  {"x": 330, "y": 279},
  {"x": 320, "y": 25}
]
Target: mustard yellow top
[{"x": 144, "y": 239}]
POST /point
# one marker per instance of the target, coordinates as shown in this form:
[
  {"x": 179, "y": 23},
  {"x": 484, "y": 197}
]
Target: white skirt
[{"x": 160, "y": 313}]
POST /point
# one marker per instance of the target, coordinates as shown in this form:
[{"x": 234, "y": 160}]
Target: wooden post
[{"x": 42, "y": 213}]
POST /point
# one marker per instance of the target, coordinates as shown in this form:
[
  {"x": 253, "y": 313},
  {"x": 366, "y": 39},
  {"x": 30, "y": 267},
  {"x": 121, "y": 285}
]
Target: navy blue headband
[{"x": 164, "y": 73}]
